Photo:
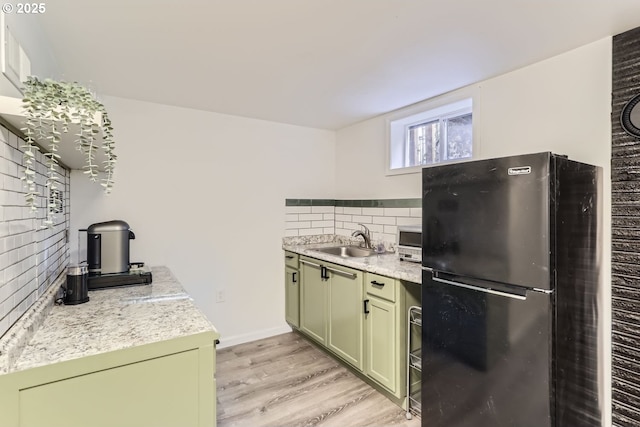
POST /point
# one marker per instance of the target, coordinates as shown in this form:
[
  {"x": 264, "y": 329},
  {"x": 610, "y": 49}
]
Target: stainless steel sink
[{"x": 347, "y": 251}]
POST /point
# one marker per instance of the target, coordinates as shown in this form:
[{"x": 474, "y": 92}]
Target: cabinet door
[
  {"x": 292, "y": 296},
  {"x": 346, "y": 314},
  {"x": 155, "y": 393},
  {"x": 313, "y": 301},
  {"x": 382, "y": 341}
]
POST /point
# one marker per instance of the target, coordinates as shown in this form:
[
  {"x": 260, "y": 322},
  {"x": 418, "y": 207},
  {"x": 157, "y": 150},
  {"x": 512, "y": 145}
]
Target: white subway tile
[
  {"x": 347, "y": 218},
  {"x": 391, "y": 229},
  {"x": 339, "y": 210},
  {"x": 353, "y": 211},
  {"x": 4, "y": 135},
  {"x": 321, "y": 224},
  {"x": 416, "y": 212},
  {"x": 19, "y": 255},
  {"x": 375, "y": 228},
  {"x": 389, "y": 238},
  {"x": 409, "y": 221},
  {"x": 322, "y": 209},
  {"x": 361, "y": 218},
  {"x": 343, "y": 232},
  {"x": 14, "y": 256},
  {"x": 373, "y": 211},
  {"x": 4, "y": 325},
  {"x": 291, "y": 233},
  {"x": 328, "y": 216},
  {"x": 13, "y": 141},
  {"x": 384, "y": 220},
  {"x": 351, "y": 226},
  {"x": 310, "y": 217},
  {"x": 397, "y": 211},
  {"x": 15, "y": 156},
  {"x": 291, "y": 217},
  {"x": 308, "y": 232},
  {"x": 298, "y": 209},
  {"x": 328, "y": 230}
]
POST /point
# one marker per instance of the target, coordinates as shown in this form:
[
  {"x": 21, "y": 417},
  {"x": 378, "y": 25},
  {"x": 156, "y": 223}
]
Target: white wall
[
  {"x": 205, "y": 195},
  {"x": 561, "y": 104}
]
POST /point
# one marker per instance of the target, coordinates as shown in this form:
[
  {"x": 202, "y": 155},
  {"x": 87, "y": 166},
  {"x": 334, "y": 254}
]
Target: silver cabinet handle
[
  {"x": 479, "y": 289},
  {"x": 342, "y": 273},
  {"x": 304, "y": 261},
  {"x": 333, "y": 270}
]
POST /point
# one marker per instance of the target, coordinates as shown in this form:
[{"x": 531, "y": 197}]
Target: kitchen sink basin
[{"x": 347, "y": 251}]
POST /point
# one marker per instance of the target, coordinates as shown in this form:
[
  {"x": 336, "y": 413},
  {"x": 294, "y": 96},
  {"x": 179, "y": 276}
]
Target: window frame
[{"x": 445, "y": 106}]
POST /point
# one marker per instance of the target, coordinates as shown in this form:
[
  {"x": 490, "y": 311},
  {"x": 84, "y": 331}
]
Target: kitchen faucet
[{"x": 366, "y": 235}]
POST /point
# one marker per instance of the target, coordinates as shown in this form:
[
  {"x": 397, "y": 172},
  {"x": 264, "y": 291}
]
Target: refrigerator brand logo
[{"x": 522, "y": 170}]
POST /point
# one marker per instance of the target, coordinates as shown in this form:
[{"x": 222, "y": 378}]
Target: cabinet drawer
[
  {"x": 381, "y": 286},
  {"x": 291, "y": 259}
]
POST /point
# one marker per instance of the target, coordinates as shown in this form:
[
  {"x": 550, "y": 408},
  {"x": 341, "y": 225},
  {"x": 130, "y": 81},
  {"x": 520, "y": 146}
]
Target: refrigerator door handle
[{"x": 479, "y": 289}]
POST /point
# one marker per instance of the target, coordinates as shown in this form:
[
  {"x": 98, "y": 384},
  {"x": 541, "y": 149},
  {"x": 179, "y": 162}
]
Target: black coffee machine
[{"x": 108, "y": 256}]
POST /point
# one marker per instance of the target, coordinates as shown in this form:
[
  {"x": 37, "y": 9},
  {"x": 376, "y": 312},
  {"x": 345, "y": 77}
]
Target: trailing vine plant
[{"x": 50, "y": 108}]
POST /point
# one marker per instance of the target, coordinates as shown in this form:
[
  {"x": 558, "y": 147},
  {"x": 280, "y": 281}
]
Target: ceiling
[{"x": 316, "y": 63}]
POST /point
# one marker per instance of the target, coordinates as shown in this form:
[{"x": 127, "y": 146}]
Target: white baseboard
[{"x": 253, "y": 336}]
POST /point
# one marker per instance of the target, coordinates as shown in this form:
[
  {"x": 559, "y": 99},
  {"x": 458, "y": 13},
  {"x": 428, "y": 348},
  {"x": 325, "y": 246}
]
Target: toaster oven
[{"x": 410, "y": 243}]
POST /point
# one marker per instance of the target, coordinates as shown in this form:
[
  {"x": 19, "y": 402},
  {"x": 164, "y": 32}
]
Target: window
[{"x": 438, "y": 135}]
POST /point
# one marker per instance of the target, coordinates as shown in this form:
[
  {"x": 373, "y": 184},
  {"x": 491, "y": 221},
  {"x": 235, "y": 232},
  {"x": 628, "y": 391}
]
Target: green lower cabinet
[
  {"x": 170, "y": 383},
  {"x": 141, "y": 402},
  {"x": 361, "y": 318},
  {"x": 381, "y": 331},
  {"x": 331, "y": 301},
  {"x": 346, "y": 314},
  {"x": 313, "y": 301},
  {"x": 385, "y": 336},
  {"x": 292, "y": 296}
]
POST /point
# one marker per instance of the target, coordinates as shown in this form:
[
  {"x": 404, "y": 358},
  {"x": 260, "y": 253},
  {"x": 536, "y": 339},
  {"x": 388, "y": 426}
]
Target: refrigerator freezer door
[
  {"x": 490, "y": 219},
  {"x": 485, "y": 357}
]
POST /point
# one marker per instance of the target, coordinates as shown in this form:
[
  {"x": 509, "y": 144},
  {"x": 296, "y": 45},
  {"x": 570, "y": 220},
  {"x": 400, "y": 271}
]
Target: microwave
[{"x": 410, "y": 243}]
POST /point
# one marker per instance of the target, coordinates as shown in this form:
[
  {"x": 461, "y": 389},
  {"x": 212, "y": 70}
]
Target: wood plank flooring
[{"x": 286, "y": 381}]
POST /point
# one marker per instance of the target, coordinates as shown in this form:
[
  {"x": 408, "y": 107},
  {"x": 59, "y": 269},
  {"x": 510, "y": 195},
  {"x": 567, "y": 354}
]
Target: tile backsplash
[
  {"x": 306, "y": 217},
  {"x": 31, "y": 257}
]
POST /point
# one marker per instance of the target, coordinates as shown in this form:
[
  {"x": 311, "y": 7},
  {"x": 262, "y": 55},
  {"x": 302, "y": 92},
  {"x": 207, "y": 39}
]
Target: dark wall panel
[{"x": 625, "y": 261}]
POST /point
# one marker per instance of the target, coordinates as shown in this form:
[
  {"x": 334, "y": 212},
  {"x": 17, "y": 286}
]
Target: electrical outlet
[{"x": 220, "y": 295}]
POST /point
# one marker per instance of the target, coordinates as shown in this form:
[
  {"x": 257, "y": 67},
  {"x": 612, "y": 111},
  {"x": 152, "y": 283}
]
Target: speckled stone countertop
[
  {"x": 115, "y": 319},
  {"x": 387, "y": 264}
]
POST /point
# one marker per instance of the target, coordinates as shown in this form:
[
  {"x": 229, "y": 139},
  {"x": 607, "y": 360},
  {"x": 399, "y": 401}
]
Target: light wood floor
[{"x": 286, "y": 381}]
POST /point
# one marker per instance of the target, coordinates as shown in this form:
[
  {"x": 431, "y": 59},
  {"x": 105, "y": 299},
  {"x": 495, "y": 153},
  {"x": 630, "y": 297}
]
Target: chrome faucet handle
[{"x": 366, "y": 230}]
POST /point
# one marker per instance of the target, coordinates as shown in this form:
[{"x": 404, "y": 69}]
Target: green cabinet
[
  {"x": 313, "y": 300},
  {"x": 169, "y": 383},
  {"x": 388, "y": 302},
  {"x": 345, "y": 314},
  {"x": 361, "y": 318},
  {"x": 292, "y": 290},
  {"x": 383, "y": 332},
  {"x": 331, "y": 308}
]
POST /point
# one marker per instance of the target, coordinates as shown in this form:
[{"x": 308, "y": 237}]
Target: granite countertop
[
  {"x": 115, "y": 319},
  {"x": 387, "y": 264}
]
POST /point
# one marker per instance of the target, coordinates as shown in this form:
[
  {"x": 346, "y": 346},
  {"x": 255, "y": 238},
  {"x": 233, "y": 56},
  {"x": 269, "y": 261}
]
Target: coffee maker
[{"x": 108, "y": 248}]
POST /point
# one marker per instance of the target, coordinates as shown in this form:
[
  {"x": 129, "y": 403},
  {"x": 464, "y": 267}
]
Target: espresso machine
[{"x": 107, "y": 256}]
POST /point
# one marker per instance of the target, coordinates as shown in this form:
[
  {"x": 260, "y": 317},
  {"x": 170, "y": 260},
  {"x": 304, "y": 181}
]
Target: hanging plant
[{"x": 50, "y": 108}]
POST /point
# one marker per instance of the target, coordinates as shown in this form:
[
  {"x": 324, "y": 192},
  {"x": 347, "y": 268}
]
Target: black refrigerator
[{"x": 511, "y": 254}]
